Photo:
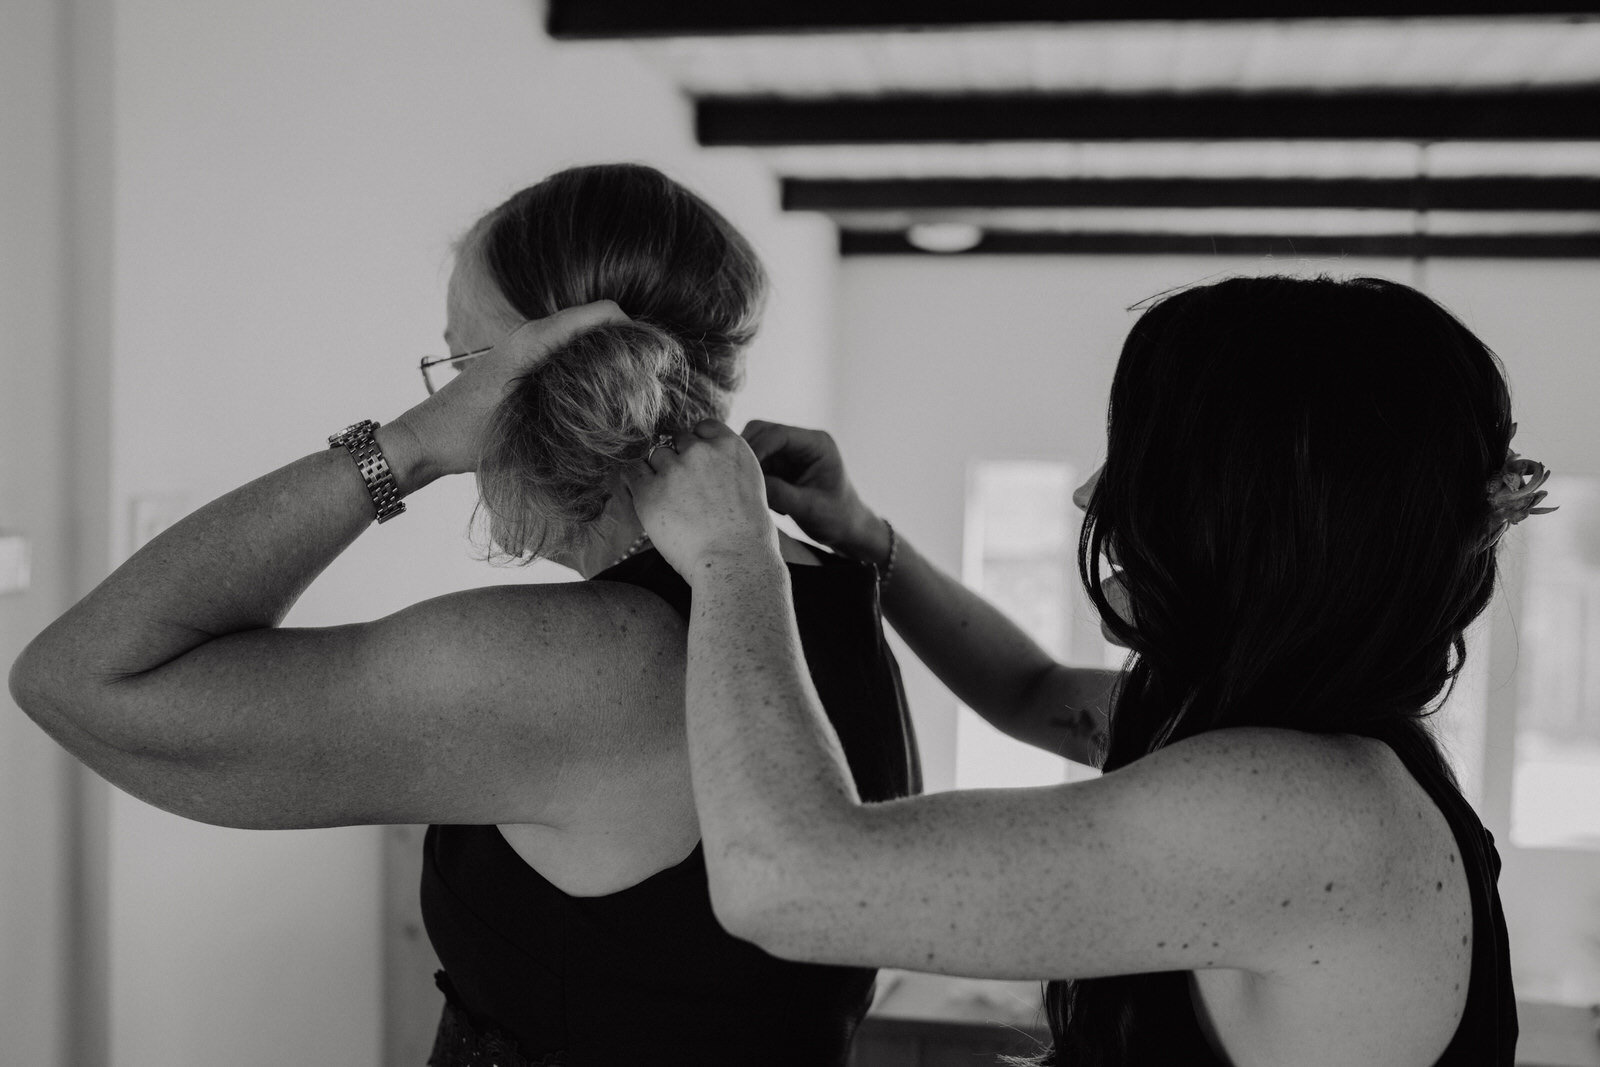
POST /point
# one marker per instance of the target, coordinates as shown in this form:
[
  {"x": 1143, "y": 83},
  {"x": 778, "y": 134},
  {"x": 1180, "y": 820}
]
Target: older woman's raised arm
[{"x": 173, "y": 679}]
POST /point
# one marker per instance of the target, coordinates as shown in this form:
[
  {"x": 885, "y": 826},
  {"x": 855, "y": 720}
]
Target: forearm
[
  {"x": 767, "y": 768},
  {"x": 986, "y": 660},
  {"x": 239, "y": 563}
]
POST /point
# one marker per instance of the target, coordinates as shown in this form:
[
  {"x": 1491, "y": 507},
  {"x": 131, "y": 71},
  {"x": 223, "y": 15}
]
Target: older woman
[
  {"x": 1304, "y": 487},
  {"x": 538, "y": 727}
]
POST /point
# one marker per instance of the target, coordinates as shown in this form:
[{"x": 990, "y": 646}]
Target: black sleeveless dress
[
  {"x": 1487, "y": 1033},
  {"x": 646, "y": 975}
]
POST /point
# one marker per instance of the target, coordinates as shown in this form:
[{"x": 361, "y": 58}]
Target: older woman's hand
[
  {"x": 448, "y": 427},
  {"x": 702, "y": 495}
]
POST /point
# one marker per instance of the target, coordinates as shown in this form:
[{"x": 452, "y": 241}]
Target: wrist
[
  {"x": 868, "y": 541},
  {"x": 408, "y": 459},
  {"x": 748, "y": 559}
]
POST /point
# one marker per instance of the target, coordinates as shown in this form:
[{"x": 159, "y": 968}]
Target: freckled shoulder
[
  {"x": 1339, "y": 807},
  {"x": 600, "y": 650},
  {"x": 1389, "y": 937},
  {"x": 1426, "y": 900},
  {"x": 640, "y": 613},
  {"x": 626, "y": 811},
  {"x": 573, "y": 614}
]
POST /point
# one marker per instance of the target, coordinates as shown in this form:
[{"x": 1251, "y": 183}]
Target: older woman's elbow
[
  {"x": 36, "y": 689},
  {"x": 48, "y": 683}
]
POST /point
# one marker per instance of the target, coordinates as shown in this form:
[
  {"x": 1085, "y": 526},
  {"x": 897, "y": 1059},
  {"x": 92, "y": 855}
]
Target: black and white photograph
[{"x": 606, "y": 533}]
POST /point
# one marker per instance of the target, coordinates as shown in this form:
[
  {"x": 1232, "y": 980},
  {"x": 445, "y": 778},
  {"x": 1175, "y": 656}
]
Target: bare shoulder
[
  {"x": 584, "y": 609},
  {"x": 1334, "y": 786},
  {"x": 1379, "y": 866},
  {"x": 1425, "y": 902},
  {"x": 582, "y": 623},
  {"x": 1345, "y": 797},
  {"x": 1389, "y": 941},
  {"x": 605, "y": 659},
  {"x": 1353, "y": 787},
  {"x": 610, "y": 658}
]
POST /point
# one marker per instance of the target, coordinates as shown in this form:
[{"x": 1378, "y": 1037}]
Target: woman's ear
[{"x": 619, "y": 502}]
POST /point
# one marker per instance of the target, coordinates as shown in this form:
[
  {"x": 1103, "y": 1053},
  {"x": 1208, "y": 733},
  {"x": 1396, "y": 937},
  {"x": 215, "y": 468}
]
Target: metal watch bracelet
[{"x": 363, "y": 447}]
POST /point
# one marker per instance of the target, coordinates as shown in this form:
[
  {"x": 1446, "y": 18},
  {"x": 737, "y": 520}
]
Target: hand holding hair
[
  {"x": 449, "y": 427},
  {"x": 702, "y": 496}
]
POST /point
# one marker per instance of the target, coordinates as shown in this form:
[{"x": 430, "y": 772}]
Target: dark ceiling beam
[
  {"x": 1549, "y": 114},
  {"x": 1408, "y": 194},
  {"x": 1402, "y": 246},
  {"x": 566, "y": 19}
]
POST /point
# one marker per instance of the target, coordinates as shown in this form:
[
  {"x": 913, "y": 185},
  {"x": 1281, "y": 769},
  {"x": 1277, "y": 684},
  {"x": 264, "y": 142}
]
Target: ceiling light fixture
[{"x": 944, "y": 237}]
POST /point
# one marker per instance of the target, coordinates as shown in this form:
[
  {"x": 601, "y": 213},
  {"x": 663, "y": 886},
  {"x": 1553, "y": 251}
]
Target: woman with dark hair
[
  {"x": 538, "y": 727},
  {"x": 1304, "y": 485}
]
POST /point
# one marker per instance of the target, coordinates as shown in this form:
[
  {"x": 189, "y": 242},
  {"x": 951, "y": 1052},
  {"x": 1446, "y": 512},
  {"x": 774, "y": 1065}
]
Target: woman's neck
[
  {"x": 619, "y": 536},
  {"x": 613, "y": 539}
]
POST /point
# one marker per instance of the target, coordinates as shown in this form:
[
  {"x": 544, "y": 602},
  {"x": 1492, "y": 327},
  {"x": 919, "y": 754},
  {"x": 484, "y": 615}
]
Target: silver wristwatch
[{"x": 374, "y": 468}]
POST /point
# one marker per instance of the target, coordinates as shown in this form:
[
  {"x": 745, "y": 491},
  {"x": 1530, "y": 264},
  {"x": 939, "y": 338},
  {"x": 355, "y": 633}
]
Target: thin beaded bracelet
[{"x": 887, "y": 570}]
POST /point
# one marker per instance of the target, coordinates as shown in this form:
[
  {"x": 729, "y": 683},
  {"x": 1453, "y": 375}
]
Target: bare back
[{"x": 619, "y": 830}]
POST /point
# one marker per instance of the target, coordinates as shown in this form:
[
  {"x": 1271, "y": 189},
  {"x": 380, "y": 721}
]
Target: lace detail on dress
[{"x": 462, "y": 1043}]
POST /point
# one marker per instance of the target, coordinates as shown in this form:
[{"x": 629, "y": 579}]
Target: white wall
[
  {"x": 34, "y": 774},
  {"x": 1542, "y": 319},
  {"x": 287, "y": 179}
]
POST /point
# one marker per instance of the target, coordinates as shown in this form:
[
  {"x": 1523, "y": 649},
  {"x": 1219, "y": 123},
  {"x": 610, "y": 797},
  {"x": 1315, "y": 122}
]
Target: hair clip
[{"x": 1515, "y": 491}]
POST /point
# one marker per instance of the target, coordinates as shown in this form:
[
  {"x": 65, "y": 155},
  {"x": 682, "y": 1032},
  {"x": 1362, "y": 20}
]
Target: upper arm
[
  {"x": 504, "y": 704},
  {"x": 1243, "y": 851}
]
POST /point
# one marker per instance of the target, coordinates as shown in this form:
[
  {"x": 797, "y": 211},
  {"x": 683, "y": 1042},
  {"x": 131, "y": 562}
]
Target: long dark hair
[{"x": 1294, "y": 490}]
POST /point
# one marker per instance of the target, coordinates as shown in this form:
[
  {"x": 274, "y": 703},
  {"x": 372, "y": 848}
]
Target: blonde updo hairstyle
[{"x": 692, "y": 286}]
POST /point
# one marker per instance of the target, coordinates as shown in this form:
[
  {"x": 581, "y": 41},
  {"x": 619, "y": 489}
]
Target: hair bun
[{"x": 583, "y": 414}]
